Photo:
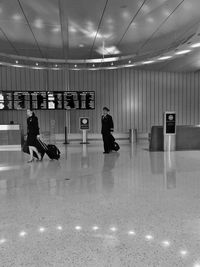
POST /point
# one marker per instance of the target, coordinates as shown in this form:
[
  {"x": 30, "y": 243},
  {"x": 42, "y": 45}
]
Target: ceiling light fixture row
[{"x": 96, "y": 64}]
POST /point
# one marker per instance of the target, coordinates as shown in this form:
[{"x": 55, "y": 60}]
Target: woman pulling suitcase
[
  {"x": 33, "y": 135},
  {"x": 33, "y": 145}
]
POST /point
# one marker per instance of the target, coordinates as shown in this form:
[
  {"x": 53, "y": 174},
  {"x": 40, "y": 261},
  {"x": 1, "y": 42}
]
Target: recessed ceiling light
[
  {"x": 56, "y": 65},
  {"x": 36, "y": 64},
  {"x": 163, "y": 58},
  {"x": 75, "y": 66},
  {"x": 148, "y": 62},
  {"x": 56, "y": 29},
  {"x": 16, "y": 17},
  {"x": 72, "y": 29},
  {"x": 38, "y": 23},
  {"x": 150, "y": 19},
  {"x": 195, "y": 45},
  {"x": 16, "y": 61},
  {"x": 183, "y": 52}
]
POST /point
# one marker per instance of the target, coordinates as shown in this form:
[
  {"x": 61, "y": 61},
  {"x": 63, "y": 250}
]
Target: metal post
[
  {"x": 84, "y": 140},
  {"x": 67, "y": 127},
  {"x": 66, "y": 136}
]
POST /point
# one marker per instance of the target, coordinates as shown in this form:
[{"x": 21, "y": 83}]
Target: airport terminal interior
[{"x": 106, "y": 93}]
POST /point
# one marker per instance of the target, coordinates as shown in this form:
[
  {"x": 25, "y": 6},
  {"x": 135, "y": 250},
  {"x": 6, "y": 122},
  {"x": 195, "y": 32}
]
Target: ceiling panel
[
  {"x": 41, "y": 12},
  {"x": 67, "y": 29},
  {"x": 10, "y": 10}
]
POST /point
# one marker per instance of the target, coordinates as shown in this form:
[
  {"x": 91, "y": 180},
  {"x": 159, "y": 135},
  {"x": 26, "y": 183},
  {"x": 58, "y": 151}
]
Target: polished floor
[{"x": 132, "y": 208}]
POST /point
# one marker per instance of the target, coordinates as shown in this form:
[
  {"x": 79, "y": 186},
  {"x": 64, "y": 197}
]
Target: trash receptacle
[{"x": 133, "y": 136}]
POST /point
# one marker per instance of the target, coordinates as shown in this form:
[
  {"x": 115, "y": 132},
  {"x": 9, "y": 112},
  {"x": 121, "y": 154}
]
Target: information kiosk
[
  {"x": 169, "y": 133},
  {"x": 84, "y": 127}
]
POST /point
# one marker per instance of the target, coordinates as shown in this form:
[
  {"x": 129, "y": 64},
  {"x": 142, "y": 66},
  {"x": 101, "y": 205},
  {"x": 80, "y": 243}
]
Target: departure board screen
[
  {"x": 41, "y": 100},
  {"x": 38, "y": 100},
  {"x": 86, "y": 100},
  {"x": 55, "y": 100},
  {"x": 71, "y": 100},
  {"x": 21, "y": 100},
  {"x": 6, "y": 100},
  {"x": 79, "y": 100}
]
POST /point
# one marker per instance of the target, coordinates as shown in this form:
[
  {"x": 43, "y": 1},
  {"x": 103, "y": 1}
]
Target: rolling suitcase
[
  {"x": 114, "y": 145},
  {"x": 51, "y": 150}
]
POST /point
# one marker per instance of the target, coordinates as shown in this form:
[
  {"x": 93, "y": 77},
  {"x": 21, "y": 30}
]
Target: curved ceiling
[{"x": 103, "y": 33}]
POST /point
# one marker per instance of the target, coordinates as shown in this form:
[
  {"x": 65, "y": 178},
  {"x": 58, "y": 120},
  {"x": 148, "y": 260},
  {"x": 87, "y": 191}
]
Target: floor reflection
[
  {"x": 108, "y": 179},
  {"x": 164, "y": 163}
]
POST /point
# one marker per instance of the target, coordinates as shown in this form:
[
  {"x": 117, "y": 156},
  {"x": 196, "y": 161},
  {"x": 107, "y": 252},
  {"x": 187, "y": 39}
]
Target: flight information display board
[
  {"x": 79, "y": 100},
  {"x": 6, "y": 100},
  {"x": 41, "y": 100},
  {"x": 55, "y": 100},
  {"x": 71, "y": 100},
  {"x": 38, "y": 100},
  {"x": 21, "y": 100}
]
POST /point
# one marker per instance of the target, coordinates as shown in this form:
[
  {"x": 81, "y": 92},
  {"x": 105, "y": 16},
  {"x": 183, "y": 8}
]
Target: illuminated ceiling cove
[{"x": 91, "y": 34}]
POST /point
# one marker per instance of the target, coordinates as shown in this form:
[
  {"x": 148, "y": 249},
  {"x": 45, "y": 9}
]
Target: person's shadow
[{"x": 108, "y": 179}]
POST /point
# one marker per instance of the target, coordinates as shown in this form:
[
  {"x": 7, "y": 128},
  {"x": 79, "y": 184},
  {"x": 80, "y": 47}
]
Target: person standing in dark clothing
[
  {"x": 32, "y": 134},
  {"x": 107, "y": 128}
]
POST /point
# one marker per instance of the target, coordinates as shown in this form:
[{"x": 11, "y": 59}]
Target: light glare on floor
[
  {"x": 95, "y": 228},
  {"x": 131, "y": 233},
  {"x": 59, "y": 227},
  {"x": 149, "y": 237},
  {"x": 183, "y": 252},
  {"x": 113, "y": 229},
  {"x": 41, "y": 229},
  {"x": 2, "y": 241},
  {"x": 78, "y": 228},
  {"x": 22, "y": 234},
  {"x": 166, "y": 243}
]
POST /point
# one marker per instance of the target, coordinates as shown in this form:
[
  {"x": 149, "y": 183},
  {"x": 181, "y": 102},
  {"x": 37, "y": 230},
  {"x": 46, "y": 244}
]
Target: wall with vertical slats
[{"x": 136, "y": 98}]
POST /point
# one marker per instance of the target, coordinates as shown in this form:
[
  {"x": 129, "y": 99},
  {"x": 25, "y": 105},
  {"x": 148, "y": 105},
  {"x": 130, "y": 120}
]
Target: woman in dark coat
[
  {"x": 32, "y": 134},
  {"x": 107, "y": 128}
]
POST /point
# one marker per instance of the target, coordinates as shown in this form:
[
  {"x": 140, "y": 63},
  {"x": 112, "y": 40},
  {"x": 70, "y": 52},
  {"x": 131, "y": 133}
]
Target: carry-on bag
[
  {"x": 114, "y": 145},
  {"x": 51, "y": 150}
]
